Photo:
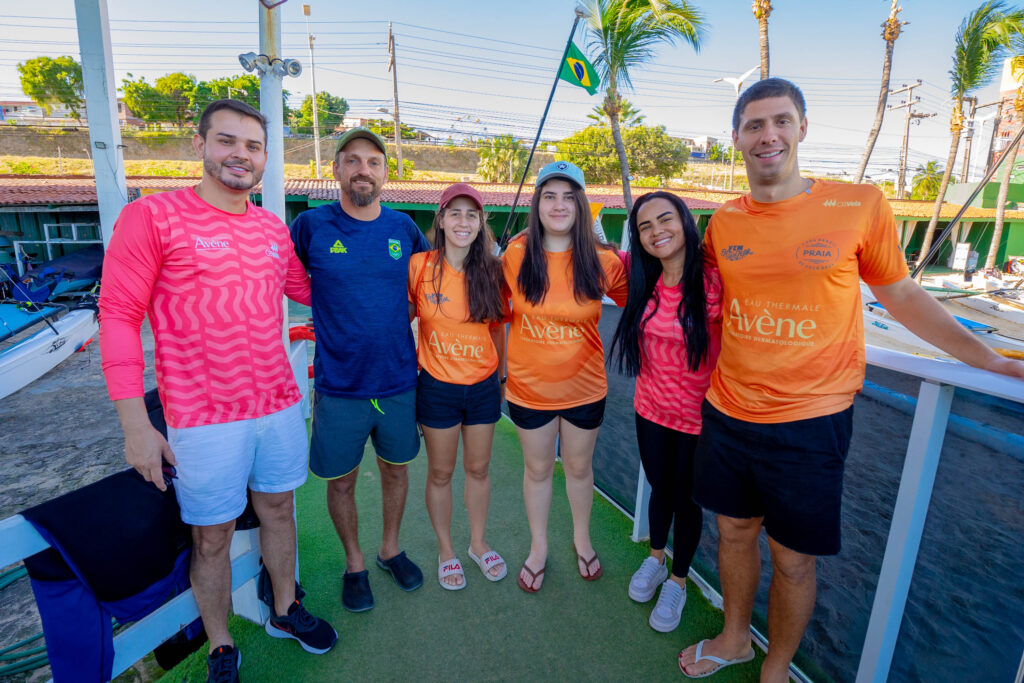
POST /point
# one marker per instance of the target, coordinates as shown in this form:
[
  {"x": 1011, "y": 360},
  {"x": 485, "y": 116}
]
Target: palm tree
[
  {"x": 762, "y": 10},
  {"x": 980, "y": 42},
  {"x": 1009, "y": 157},
  {"x": 927, "y": 179},
  {"x": 502, "y": 158},
  {"x": 891, "y": 30},
  {"x": 625, "y": 34},
  {"x": 629, "y": 115}
]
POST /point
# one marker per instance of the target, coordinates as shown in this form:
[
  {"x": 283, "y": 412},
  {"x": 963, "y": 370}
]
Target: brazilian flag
[{"x": 578, "y": 71}]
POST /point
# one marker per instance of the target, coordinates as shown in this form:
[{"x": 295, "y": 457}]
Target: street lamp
[
  {"x": 316, "y": 106},
  {"x": 737, "y": 83}
]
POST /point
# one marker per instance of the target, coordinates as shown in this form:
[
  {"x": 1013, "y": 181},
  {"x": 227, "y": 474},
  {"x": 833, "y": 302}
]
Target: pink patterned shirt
[
  {"x": 667, "y": 393},
  {"x": 211, "y": 283}
]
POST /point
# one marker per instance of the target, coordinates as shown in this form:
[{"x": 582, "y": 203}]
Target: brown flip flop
[
  {"x": 589, "y": 576},
  {"x": 533, "y": 578}
]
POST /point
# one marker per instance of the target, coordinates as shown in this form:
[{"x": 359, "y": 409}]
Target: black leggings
[{"x": 667, "y": 457}]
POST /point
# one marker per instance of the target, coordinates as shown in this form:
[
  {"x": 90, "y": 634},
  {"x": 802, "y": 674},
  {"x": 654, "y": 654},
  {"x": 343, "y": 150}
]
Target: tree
[
  {"x": 169, "y": 99},
  {"x": 654, "y": 153},
  {"x": 386, "y": 129},
  {"x": 628, "y": 115},
  {"x": 502, "y": 158},
  {"x": 926, "y": 182},
  {"x": 331, "y": 112},
  {"x": 719, "y": 152},
  {"x": 625, "y": 34},
  {"x": 244, "y": 87},
  {"x": 762, "y": 10},
  {"x": 142, "y": 98},
  {"x": 178, "y": 93},
  {"x": 891, "y": 29},
  {"x": 53, "y": 80},
  {"x": 980, "y": 42}
]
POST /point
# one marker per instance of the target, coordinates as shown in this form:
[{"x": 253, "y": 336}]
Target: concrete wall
[{"x": 74, "y": 144}]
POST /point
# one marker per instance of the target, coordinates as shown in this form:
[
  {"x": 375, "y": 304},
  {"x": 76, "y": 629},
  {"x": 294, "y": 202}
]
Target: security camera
[{"x": 292, "y": 67}]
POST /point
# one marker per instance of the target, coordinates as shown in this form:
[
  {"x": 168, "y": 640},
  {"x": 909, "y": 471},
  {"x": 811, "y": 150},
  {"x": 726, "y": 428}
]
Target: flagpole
[{"x": 503, "y": 242}]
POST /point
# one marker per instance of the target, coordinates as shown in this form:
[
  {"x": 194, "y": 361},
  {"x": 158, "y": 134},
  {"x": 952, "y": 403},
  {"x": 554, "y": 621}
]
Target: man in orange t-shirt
[{"x": 778, "y": 416}]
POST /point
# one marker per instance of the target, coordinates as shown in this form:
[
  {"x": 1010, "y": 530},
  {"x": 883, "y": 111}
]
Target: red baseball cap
[{"x": 457, "y": 190}]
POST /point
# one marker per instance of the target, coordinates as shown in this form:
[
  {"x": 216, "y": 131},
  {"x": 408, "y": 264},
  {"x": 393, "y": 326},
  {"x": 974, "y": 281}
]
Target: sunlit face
[
  {"x": 661, "y": 229},
  {"x": 361, "y": 170},
  {"x": 770, "y": 131},
  {"x": 234, "y": 152},
  {"x": 461, "y": 221},
  {"x": 557, "y": 207}
]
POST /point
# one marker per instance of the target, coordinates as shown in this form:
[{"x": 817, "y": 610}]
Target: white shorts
[{"x": 216, "y": 463}]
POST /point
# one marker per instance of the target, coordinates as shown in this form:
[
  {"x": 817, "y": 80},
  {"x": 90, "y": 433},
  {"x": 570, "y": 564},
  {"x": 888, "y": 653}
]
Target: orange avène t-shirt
[
  {"x": 793, "y": 332},
  {"x": 555, "y": 356},
  {"x": 450, "y": 347}
]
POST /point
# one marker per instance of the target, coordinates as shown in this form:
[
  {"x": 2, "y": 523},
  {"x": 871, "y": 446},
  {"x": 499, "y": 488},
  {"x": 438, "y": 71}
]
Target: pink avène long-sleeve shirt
[{"x": 211, "y": 283}]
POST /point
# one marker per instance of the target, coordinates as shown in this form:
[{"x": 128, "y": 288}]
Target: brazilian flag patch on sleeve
[{"x": 395, "y": 249}]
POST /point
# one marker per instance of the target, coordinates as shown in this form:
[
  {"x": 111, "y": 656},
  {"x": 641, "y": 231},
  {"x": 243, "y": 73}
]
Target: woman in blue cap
[{"x": 555, "y": 278}]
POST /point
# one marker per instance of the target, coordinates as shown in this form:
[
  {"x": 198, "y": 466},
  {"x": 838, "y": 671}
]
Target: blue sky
[{"x": 460, "y": 62}]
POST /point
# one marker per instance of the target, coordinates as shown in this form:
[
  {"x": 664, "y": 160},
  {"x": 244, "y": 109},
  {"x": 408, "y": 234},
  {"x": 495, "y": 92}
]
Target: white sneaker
[
  {"x": 646, "y": 579},
  {"x": 669, "y": 608}
]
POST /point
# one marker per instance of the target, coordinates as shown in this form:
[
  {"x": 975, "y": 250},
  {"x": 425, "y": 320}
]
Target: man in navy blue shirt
[{"x": 357, "y": 254}]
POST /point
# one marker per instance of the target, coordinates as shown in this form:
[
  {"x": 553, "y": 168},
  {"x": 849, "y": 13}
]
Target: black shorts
[
  {"x": 587, "y": 416},
  {"x": 790, "y": 473},
  {"x": 440, "y": 405}
]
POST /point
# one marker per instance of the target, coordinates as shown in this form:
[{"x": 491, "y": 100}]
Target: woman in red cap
[
  {"x": 455, "y": 291},
  {"x": 556, "y": 277}
]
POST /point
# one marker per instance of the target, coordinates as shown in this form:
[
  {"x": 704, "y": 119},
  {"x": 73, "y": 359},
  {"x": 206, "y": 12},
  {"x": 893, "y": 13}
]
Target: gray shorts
[{"x": 342, "y": 425}]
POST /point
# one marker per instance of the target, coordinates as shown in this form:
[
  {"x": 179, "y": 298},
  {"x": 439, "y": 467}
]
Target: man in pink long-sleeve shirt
[{"x": 209, "y": 268}]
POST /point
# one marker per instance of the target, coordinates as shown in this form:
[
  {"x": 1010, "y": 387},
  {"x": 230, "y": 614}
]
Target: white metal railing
[
  {"x": 49, "y": 241},
  {"x": 938, "y": 380},
  {"x": 19, "y": 539}
]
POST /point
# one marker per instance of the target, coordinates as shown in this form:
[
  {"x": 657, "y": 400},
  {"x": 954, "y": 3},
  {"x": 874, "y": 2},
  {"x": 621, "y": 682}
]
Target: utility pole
[
  {"x": 909, "y": 103},
  {"x": 393, "y": 68},
  {"x": 997, "y": 119},
  {"x": 972, "y": 102},
  {"x": 312, "y": 78}
]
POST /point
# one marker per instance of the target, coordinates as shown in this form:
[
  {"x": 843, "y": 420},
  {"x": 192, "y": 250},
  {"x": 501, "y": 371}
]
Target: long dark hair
[
  {"x": 644, "y": 272},
  {"x": 481, "y": 272},
  {"x": 589, "y": 281}
]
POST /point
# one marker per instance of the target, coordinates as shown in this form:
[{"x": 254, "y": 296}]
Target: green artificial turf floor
[{"x": 570, "y": 630}]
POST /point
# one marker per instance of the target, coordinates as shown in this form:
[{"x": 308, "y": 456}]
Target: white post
[
  {"x": 641, "y": 527},
  {"x": 101, "y": 109},
  {"x": 915, "y": 493},
  {"x": 270, "y": 107}
]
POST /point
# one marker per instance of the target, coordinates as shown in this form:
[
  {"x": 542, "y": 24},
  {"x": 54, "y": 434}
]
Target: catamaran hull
[
  {"x": 34, "y": 356},
  {"x": 882, "y": 330}
]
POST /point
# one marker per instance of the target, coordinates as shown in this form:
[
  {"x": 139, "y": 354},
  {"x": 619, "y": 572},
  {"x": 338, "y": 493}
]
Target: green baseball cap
[{"x": 360, "y": 132}]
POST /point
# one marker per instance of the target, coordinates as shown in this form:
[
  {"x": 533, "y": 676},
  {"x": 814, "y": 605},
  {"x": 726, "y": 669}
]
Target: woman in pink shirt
[{"x": 668, "y": 337}]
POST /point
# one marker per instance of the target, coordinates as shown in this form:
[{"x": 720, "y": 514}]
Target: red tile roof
[
  {"x": 53, "y": 190},
  {"x": 39, "y": 190}
]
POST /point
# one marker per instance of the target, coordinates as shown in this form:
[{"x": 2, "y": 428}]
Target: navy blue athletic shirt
[{"x": 360, "y": 272}]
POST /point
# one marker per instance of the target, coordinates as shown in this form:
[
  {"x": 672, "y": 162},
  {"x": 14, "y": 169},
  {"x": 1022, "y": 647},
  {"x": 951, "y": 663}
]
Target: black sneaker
[
  {"x": 314, "y": 635},
  {"x": 222, "y": 665}
]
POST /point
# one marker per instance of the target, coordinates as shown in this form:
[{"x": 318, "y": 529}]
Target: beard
[
  {"x": 361, "y": 198},
  {"x": 219, "y": 172}
]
